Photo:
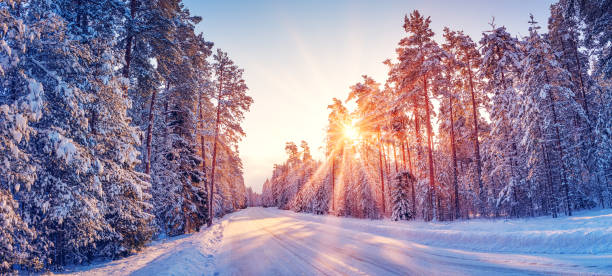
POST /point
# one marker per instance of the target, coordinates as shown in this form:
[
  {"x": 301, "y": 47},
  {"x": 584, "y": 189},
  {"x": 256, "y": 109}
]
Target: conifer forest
[
  {"x": 121, "y": 127},
  {"x": 491, "y": 126}
]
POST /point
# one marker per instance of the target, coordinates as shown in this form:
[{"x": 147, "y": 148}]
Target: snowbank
[
  {"x": 191, "y": 254},
  {"x": 587, "y": 232}
]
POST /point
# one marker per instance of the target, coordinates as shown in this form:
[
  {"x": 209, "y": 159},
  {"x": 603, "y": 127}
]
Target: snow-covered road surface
[
  {"x": 260, "y": 241},
  {"x": 268, "y": 241}
]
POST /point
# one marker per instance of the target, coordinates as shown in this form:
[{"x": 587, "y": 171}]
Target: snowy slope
[{"x": 266, "y": 241}]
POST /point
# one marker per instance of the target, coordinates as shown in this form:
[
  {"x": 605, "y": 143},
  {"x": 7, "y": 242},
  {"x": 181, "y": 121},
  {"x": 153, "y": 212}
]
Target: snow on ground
[
  {"x": 260, "y": 241},
  {"x": 190, "y": 254},
  {"x": 587, "y": 232},
  {"x": 267, "y": 241}
]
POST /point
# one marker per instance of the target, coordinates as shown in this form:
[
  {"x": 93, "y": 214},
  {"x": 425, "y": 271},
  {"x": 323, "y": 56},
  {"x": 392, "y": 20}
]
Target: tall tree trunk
[
  {"x": 429, "y": 148},
  {"x": 202, "y": 144},
  {"x": 333, "y": 174},
  {"x": 564, "y": 170},
  {"x": 388, "y": 158},
  {"x": 150, "y": 129},
  {"x": 454, "y": 152},
  {"x": 551, "y": 193},
  {"x": 395, "y": 157},
  {"x": 410, "y": 166},
  {"x": 411, "y": 182},
  {"x": 387, "y": 167},
  {"x": 214, "y": 156},
  {"x": 130, "y": 38},
  {"x": 382, "y": 176},
  {"x": 582, "y": 92},
  {"x": 403, "y": 155},
  {"x": 417, "y": 127},
  {"x": 476, "y": 142}
]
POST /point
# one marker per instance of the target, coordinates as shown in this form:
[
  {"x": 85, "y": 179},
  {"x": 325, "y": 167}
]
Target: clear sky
[{"x": 298, "y": 55}]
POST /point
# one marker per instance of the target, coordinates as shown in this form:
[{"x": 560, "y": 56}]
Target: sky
[{"x": 299, "y": 55}]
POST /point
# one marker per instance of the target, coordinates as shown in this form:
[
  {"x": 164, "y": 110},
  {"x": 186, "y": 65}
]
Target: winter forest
[
  {"x": 491, "y": 126},
  {"x": 118, "y": 125}
]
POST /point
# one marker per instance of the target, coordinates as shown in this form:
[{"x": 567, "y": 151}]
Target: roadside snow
[
  {"x": 191, "y": 254},
  {"x": 587, "y": 232},
  {"x": 264, "y": 241}
]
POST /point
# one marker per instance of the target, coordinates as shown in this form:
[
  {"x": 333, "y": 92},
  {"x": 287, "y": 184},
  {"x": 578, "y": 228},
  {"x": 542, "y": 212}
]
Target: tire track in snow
[
  {"x": 286, "y": 245},
  {"x": 336, "y": 249}
]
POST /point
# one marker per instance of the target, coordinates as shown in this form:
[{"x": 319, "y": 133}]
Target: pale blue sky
[{"x": 298, "y": 55}]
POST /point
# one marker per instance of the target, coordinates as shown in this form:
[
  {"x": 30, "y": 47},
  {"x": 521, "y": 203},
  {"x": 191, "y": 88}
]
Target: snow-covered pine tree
[
  {"x": 595, "y": 17},
  {"x": 401, "y": 207},
  {"x": 419, "y": 59},
  {"x": 568, "y": 44},
  {"x": 179, "y": 191},
  {"x": 501, "y": 68},
  {"x": 114, "y": 141},
  {"x": 232, "y": 101},
  {"x": 63, "y": 198},
  {"x": 321, "y": 201},
  {"x": 15, "y": 238},
  {"x": 463, "y": 61},
  {"x": 447, "y": 86},
  {"x": 551, "y": 116},
  {"x": 20, "y": 105}
]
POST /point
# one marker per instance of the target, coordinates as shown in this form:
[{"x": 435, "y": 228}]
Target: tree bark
[
  {"x": 382, "y": 176},
  {"x": 214, "y": 157},
  {"x": 454, "y": 152},
  {"x": 476, "y": 142},
  {"x": 411, "y": 182},
  {"x": 564, "y": 181},
  {"x": 333, "y": 174},
  {"x": 150, "y": 130},
  {"x": 395, "y": 157},
  {"x": 130, "y": 38},
  {"x": 403, "y": 155},
  {"x": 202, "y": 144},
  {"x": 429, "y": 149}
]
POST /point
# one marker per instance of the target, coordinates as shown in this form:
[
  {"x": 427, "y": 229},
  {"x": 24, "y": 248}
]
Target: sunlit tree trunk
[
  {"x": 475, "y": 138},
  {"x": 382, "y": 176},
  {"x": 395, "y": 157},
  {"x": 403, "y": 155},
  {"x": 417, "y": 127},
  {"x": 454, "y": 153},
  {"x": 413, "y": 193},
  {"x": 214, "y": 156},
  {"x": 431, "y": 212},
  {"x": 333, "y": 179}
]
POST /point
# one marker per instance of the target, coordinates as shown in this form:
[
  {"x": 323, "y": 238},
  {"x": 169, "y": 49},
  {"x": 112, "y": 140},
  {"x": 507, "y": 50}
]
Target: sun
[{"x": 350, "y": 132}]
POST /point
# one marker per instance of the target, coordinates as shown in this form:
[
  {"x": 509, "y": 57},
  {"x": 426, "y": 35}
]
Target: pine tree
[
  {"x": 400, "y": 198},
  {"x": 419, "y": 57},
  {"x": 551, "y": 106},
  {"x": 232, "y": 102},
  {"x": 501, "y": 67}
]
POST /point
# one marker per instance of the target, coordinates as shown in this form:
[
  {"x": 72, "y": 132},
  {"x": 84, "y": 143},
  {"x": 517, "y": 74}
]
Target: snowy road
[
  {"x": 268, "y": 241},
  {"x": 259, "y": 241}
]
